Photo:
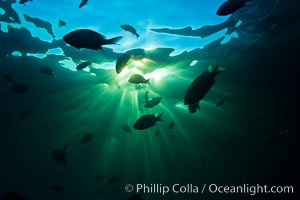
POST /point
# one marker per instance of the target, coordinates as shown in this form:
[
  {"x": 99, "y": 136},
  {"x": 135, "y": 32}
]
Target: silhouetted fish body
[
  {"x": 138, "y": 79},
  {"x": 171, "y": 124},
  {"x": 61, "y": 23},
  {"x": 158, "y": 132},
  {"x": 122, "y": 61},
  {"x": 24, "y": 1},
  {"x": 19, "y": 88},
  {"x": 87, "y": 138},
  {"x": 83, "y": 65},
  {"x": 199, "y": 87},
  {"x": 152, "y": 102},
  {"x": 230, "y": 6},
  {"x": 60, "y": 156},
  {"x": 88, "y": 39},
  {"x": 147, "y": 121},
  {"x": 9, "y": 78},
  {"x": 82, "y": 3},
  {"x": 130, "y": 29},
  {"x": 47, "y": 71}
]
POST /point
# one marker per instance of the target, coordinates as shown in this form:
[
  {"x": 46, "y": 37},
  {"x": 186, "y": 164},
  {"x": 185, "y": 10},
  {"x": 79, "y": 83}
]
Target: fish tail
[
  {"x": 218, "y": 70},
  {"x": 113, "y": 40},
  {"x": 158, "y": 118},
  {"x": 148, "y": 81},
  {"x": 137, "y": 36}
]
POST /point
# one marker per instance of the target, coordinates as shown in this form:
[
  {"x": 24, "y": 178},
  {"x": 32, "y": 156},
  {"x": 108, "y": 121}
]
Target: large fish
[
  {"x": 88, "y": 39},
  {"x": 147, "y": 121},
  {"x": 130, "y": 29},
  {"x": 199, "y": 87},
  {"x": 230, "y": 6}
]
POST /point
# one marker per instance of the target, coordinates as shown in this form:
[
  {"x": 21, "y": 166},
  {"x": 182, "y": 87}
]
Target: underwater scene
[{"x": 148, "y": 100}]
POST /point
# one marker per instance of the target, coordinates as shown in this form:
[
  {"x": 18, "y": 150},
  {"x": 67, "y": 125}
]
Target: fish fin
[
  {"x": 137, "y": 36},
  {"x": 218, "y": 70},
  {"x": 159, "y": 117},
  {"x": 193, "y": 107},
  {"x": 148, "y": 81},
  {"x": 113, "y": 40},
  {"x": 209, "y": 69}
]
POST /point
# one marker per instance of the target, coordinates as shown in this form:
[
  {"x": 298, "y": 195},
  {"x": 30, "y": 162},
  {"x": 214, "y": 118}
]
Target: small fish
[
  {"x": 138, "y": 79},
  {"x": 114, "y": 179},
  {"x": 171, "y": 124},
  {"x": 130, "y": 29},
  {"x": 61, "y": 23},
  {"x": 147, "y": 121},
  {"x": 151, "y": 102},
  {"x": 56, "y": 188},
  {"x": 59, "y": 155},
  {"x": 158, "y": 132},
  {"x": 47, "y": 71},
  {"x": 24, "y": 1},
  {"x": 230, "y": 6},
  {"x": 222, "y": 100},
  {"x": 122, "y": 61},
  {"x": 83, "y": 65},
  {"x": 82, "y": 3},
  {"x": 9, "y": 78},
  {"x": 87, "y": 138},
  {"x": 125, "y": 128},
  {"x": 19, "y": 88}
]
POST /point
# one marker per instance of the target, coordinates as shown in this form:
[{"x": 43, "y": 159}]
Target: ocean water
[{"x": 248, "y": 139}]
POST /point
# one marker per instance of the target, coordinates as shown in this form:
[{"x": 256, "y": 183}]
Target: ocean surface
[{"x": 72, "y": 134}]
